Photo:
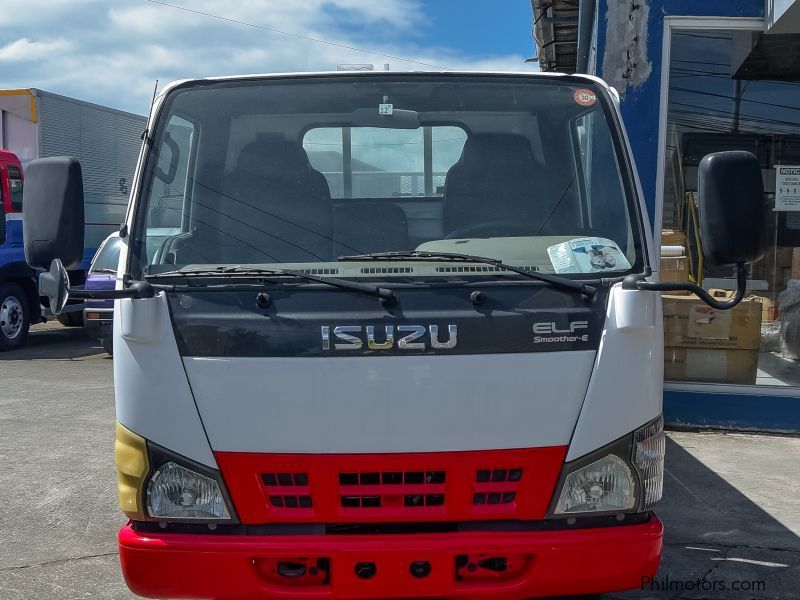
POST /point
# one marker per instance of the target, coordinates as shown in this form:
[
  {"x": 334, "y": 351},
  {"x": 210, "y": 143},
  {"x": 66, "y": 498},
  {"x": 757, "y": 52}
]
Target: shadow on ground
[
  {"x": 51, "y": 341},
  {"x": 717, "y": 539}
]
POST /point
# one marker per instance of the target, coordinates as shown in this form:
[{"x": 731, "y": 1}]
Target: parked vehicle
[
  {"x": 37, "y": 124},
  {"x": 19, "y": 299},
  {"x": 98, "y": 315},
  {"x": 428, "y": 365}
]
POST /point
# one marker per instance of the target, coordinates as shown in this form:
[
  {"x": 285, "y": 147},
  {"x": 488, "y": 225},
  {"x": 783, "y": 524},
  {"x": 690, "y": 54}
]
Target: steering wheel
[{"x": 492, "y": 229}]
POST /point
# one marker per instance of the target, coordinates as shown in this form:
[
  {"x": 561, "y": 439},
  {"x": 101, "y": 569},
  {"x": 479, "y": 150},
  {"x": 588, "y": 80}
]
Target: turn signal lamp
[{"x": 130, "y": 455}]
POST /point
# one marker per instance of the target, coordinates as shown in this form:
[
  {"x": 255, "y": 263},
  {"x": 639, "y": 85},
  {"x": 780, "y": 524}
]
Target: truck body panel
[{"x": 326, "y": 442}]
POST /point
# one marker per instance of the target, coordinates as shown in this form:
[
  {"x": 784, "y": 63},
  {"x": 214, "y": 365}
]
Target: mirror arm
[
  {"x": 637, "y": 282},
  {"x": 137, "y": 289}
]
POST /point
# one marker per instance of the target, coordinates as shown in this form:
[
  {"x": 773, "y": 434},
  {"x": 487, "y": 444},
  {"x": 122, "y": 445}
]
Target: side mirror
[
  {"x": 732, "y": 223},
  {"x": 52, "y": 205},
  {"x": 732, "y": 209}
]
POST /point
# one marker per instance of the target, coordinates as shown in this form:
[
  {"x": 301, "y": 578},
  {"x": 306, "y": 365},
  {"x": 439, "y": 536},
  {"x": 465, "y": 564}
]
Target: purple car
[{"x": 98, "y": 315}]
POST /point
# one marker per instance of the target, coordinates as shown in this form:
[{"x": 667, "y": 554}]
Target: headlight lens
[
  {"x": 604, "y": 485},
  {"x": 648, "y": 457},
  {"x": 177, "y": 492}
]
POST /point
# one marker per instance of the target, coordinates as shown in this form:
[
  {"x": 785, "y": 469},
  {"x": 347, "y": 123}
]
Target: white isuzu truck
[{"x": 388, "y": 335}]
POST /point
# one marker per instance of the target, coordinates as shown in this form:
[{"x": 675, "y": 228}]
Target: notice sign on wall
[{"x": 787, "y": 187}]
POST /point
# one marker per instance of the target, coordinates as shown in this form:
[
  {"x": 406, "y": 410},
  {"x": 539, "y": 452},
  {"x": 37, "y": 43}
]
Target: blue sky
[
  {"x": 480, "y": 27},
  {"x": 112, "y": 51}
]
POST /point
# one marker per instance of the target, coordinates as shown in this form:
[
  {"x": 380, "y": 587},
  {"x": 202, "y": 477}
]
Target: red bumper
[{"x": 535, "y": 564}]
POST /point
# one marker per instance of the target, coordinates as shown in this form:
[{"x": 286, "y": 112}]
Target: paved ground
[{"x": 731, "y": 505}]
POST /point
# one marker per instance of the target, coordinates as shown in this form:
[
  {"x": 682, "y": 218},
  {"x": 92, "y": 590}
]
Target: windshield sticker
[
  {"x": 584, "y": 97},
  {"x": 587, "y": 255}
]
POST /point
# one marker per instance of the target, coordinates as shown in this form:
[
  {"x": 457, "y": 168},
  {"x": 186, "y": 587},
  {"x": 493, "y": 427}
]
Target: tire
[
  {"x": 14, "y": 316},
  {"x": 108, "y": 346},
  {"x": 71, "y": 319}
]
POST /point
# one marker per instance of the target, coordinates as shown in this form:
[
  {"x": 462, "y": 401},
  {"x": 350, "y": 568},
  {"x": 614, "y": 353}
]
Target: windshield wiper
[
  {"x": 558, "y": 282},
  {"x": 104, "y": 270},
  {"x": 384, "y": 294}
]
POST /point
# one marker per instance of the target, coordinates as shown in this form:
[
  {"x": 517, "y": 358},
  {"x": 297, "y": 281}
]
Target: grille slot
[
  {"x": 393, "y": 478},
  {"x": 287, "y": 490},
  {"x": 495, "y": 487},
  {"x": 479, "y": 269},
  {"x": 386, "y": 270},
  {"x": 394, "y": 490},
  {"x": 327, "y": 271}
]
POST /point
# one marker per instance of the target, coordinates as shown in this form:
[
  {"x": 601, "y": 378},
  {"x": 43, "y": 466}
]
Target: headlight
[
  {"x": 625, "y": 476},
  {"x": 177, "y": 492},
  {"x": 605, "y": 485}
]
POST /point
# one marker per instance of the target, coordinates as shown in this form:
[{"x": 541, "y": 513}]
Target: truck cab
[
  {"x": 19, "y": 299},
  {"x": 387, "y": 335}
]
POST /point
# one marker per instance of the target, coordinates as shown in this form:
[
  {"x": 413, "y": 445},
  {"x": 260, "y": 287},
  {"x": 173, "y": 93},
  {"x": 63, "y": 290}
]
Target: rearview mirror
[
  {"x": 732, "y": 208},
  {"x": 394, "y": 118},
  {"x": 52, "y": 206}
]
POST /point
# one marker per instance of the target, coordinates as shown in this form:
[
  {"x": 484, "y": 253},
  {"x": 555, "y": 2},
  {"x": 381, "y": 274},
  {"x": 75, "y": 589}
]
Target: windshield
[
  {"x": 107, "y": 258},
  {"x": 294, "y": 174}
]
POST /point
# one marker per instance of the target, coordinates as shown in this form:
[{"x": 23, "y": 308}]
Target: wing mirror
[
  {"x": 732, "y": 222},
  {"x": 732, "y": 209},
  {"x": 52, "y": 208}
]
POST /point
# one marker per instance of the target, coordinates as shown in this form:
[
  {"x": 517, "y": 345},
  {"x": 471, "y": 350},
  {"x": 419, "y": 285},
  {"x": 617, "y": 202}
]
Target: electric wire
[{"x": 298, "y": 35}]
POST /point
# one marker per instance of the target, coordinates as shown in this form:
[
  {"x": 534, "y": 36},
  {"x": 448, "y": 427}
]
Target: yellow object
[
  {"x": 24, "y": 93},
  {"x": 130, "y": 455}
]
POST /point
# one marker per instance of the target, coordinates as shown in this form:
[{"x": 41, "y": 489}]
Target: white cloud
[
  {"x": 24, "y": 49},
  {"x": 112, "y": 52}
]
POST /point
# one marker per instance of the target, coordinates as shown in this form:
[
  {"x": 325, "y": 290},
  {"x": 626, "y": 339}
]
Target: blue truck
[{"x": 38, "y": 124}]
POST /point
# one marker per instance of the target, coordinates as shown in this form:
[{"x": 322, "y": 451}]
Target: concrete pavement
[{"x": 730, "y": 507}]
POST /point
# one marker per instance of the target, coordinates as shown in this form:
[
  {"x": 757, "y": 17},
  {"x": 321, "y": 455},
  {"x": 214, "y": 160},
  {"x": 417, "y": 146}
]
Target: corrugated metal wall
[{"x": 107, "y": 143}]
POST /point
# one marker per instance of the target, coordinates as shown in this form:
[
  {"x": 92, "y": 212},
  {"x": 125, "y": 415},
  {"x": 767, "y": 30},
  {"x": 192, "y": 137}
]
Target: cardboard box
[
  {"x": 674, "y": 268},
  {"x": 794, "y": 272},
  {"x": 769, "y": 312},
  {"x": 783, "y": 256},
  {"x": 691, "y": 323},
  {"x": 711, "y": 365},
  {"x": 673, "y": 238}
]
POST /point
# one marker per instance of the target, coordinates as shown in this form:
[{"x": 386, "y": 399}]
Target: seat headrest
[
  {"x": 273, "y": 158},
  {"x": 495, "y": 148}
]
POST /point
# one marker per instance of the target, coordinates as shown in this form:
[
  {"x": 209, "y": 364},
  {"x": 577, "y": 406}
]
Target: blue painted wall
[
  {"x": 641, "y": 105},
  {"x": 641, "y": 110},
  {"x": 732, "y": 411}
]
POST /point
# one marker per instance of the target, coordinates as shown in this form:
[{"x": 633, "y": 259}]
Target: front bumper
[
  {"x": 98, "y": 322},
  {"x": 542, "y": 563}
]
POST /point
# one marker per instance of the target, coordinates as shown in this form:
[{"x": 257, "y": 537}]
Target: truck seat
[
  {"x": 361, "y": 227},
  {"x": 498, "y": 180},
  {"x": 280, "y": 206}
]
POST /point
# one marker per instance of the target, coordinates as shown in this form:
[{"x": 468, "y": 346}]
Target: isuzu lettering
[{"x": 388, "y": 335}]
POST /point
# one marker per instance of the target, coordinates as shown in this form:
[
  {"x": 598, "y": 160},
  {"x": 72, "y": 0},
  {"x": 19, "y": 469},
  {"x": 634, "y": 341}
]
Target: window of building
[{"x": 715, "y": 104}]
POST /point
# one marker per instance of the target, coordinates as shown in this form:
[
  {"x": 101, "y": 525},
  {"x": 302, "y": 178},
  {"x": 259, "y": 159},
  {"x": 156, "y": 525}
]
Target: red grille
[
  {"x": 496, "y": 487},
  {"x": 392, "y": 489},
  {"x": 288, "y": 491},
  {"x": 363, "y": 488}
]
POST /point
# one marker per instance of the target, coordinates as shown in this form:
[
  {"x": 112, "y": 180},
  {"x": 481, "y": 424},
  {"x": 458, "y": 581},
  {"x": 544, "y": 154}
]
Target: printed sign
[
  {"x": 584, "y": 97},
  {"x": 587, "y": 255},
  {"x": 787, "y": 187}
]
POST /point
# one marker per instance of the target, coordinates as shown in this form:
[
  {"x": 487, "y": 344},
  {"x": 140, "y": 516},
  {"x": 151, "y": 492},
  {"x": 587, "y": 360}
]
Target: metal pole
[{"x": 586, "y": 11}]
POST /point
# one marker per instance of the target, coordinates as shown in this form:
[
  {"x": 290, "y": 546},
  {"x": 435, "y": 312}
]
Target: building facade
[{"x": 694, "y": 77}]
